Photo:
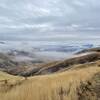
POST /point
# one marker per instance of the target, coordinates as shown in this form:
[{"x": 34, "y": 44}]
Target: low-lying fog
[{"x": 46, "y": 50}]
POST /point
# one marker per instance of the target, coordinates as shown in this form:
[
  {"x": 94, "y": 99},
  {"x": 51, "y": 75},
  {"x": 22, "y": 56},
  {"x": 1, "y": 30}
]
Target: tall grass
[{"x": 58, "y": 86}]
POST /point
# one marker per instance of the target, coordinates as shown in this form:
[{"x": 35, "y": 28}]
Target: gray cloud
[{"x": 49, "y": 16}]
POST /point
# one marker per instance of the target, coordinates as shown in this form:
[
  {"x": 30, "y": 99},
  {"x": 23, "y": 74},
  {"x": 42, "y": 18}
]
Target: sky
[{"x": 49, "y": 18}]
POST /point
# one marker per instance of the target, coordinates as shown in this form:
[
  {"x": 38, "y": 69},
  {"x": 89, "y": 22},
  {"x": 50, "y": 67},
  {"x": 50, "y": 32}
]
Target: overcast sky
[{"x": 67, "y": 17}]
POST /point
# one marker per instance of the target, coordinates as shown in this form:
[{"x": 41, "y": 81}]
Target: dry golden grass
[
  {"x": 4, "y": 75},
  {"x": 7, "y": 82},
  {"x": 10, "y": 78},
  {"x": 58, "y": 86}
]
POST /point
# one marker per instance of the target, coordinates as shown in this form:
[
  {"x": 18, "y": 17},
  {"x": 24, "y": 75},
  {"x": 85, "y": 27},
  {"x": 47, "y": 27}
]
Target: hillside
[
  {"x": 29, "y": 69},
  {"x": 82, "y": 59},
  {"x": 7, "y": 64},
  {"x": 77, "y": 78},
  {"x": 89, "y": 50},
  {"x": 80, "y": 83}
]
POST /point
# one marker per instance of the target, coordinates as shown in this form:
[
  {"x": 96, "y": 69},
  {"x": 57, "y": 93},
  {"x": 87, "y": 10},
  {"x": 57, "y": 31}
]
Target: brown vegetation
[
  {"x": 77, "y": 78},
  {"x": 69, "y": 62},
  {"x": 77, "y": 84}
]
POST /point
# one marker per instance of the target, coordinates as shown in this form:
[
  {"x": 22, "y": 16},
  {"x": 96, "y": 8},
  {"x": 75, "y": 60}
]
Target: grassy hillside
[
  {"x": 77, "y": 78},
  {"x": 7, "y": 82},
  {"x": 4, "y": 76},
  {"x": 82, "y": 82},
  {"x": 17, "y": 68},
  {"x": 67, "y": 64},
  {"x": 29, "y": 69}
]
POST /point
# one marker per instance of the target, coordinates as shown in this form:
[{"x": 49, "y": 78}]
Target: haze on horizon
[{"x": 50, "y": 18}]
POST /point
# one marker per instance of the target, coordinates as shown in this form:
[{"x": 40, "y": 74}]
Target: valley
[{"x": 75, "y": 78}]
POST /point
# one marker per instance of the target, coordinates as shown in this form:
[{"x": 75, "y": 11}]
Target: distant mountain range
[{"x": 65, "y": 48}]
